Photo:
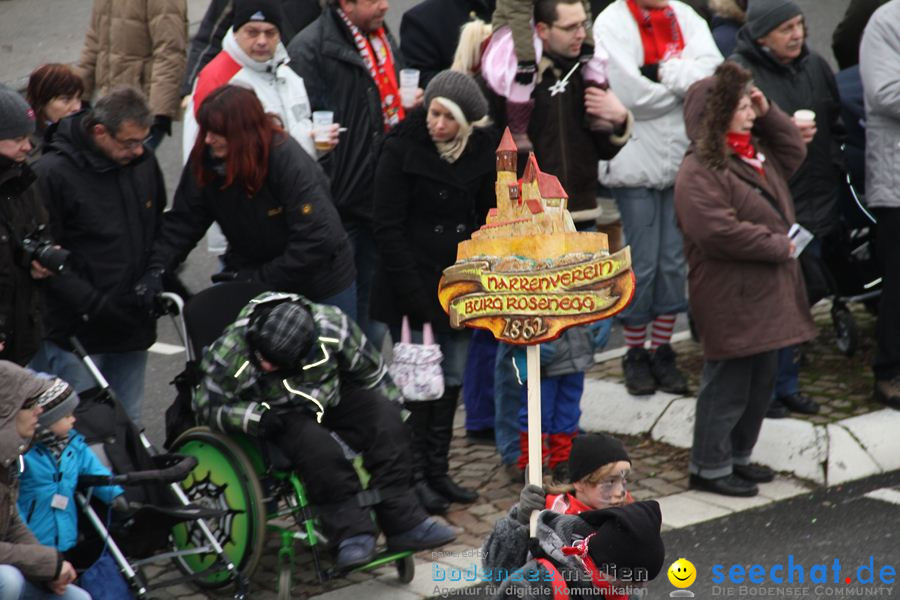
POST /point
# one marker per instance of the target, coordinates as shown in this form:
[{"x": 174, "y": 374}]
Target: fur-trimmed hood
[{"x": 708, "y": 109}]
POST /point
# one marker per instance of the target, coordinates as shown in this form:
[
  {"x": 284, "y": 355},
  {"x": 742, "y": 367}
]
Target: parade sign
[{"x": 527, "y": 274}]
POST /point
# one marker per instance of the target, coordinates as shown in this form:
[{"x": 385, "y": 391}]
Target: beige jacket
[
  {"x": 18, "y": 547},
  {"x": 142, "y": 43}
]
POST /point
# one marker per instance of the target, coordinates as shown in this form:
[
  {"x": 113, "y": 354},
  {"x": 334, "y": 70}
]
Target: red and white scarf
[
  {"x": 743, "y": 147},
  {"x": 660, "y": 32},
  {"x": 375, "y": 51}
]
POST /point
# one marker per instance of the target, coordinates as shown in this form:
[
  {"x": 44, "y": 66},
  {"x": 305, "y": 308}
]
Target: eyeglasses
[
  {"x": 585, "y": 25},
  {"x": 130, "y": 144}
]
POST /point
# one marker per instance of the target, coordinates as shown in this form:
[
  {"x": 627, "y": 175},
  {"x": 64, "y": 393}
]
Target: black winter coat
[
  {"x": 848, "y": 34},
  {"x": 805, "y": 83},
  {"x": 425, "y": 206},
  {"x": 107, "y": 216},
  {"x": 429, "y": 32},
  {"x": 217, "y": 21},
  {"x": 288, "y": 235},
  {"x": 338, "y": 80},
  {"x": 563, "y": 144},
  {"x": 21, "y": 301}
]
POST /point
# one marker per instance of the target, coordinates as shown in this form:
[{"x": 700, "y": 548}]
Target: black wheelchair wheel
[
  {"x": 406, "y": 569},
  {"x": 223, "y": 479}
]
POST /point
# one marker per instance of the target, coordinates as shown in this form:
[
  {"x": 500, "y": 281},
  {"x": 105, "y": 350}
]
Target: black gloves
[
  {"x": 531, "y": 499},
  {"x": 162, "y": 126},
  {"x": 525, "y": 71},
  {"x": 270, "y": 424},
  {"x": 147, "y": 291},
  {"x": 651, "y": 72}
]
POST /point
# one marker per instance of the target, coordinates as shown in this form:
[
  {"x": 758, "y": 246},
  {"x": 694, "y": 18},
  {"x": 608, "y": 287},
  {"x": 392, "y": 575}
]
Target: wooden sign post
[{"x": 527, "y": 275}]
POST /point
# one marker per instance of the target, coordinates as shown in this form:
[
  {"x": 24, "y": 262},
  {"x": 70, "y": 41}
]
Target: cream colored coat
[{"x": 142, "y": 43}]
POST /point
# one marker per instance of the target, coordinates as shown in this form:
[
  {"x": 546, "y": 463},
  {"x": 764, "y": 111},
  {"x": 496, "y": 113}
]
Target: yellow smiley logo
[{"x": 682, "y": 573}]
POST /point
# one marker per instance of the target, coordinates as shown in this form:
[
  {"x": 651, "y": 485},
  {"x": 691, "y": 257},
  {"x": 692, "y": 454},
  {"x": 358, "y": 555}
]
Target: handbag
[
  {"x": 416, "y": 368},
  {"x": 103, "y": 580}
]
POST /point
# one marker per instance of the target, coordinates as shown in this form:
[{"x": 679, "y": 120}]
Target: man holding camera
[
  {"x": 105, "y": 195},
  {"x": 21, "y": 214}
]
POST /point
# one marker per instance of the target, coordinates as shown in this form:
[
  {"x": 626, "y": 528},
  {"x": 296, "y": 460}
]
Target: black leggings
[{"x": 371, "y": 425}]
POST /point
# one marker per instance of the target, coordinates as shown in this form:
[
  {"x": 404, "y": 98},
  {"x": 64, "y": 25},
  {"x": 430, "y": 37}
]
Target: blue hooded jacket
[{"x": 38, "y": 484}]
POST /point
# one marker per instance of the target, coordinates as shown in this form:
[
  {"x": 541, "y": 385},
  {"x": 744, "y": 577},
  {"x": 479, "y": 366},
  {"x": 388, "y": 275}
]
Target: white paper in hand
[{"x": 801, "y": 237}]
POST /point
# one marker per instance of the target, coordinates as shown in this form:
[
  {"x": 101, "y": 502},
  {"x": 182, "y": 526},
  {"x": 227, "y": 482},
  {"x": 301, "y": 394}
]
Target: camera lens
[{"x": 50, "y": 257}]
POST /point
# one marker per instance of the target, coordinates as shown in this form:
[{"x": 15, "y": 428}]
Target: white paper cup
[
  {"x": 805, "y": 116},
  {"x": 322, "y": 121},
  {"x": 409, "y": 84}
]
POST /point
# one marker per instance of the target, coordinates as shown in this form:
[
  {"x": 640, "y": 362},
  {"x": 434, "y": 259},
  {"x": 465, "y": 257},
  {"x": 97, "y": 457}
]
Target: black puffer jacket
[
  {"x": 287, "y": 236},
  {"x": 563, "y": 144},
  {"x": 218, "y": 19},
  {"x": 108, "y": 216},
  {"x": 429, "y": 32},
  {"x": 807, "y": 83},
  {"x": 425, "y": 206},
  {"x": 21, "y": 212},
  {"x": 338, "y": 80}
]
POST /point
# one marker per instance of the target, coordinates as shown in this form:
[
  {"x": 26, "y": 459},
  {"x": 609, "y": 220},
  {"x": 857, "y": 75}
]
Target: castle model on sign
[
  {"x": 531, "y": 220},
  {"x": 536, "y": 205}
]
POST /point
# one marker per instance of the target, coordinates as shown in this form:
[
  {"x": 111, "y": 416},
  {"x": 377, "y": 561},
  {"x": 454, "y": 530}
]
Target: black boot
[
  {"x": 418, "y": 422},
  {"x": 638, "y": 377},
  {"x": 440, "y": 433}
]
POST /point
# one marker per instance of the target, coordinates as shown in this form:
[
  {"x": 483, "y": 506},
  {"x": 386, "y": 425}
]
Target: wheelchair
[{"x": 250, "y": 485}]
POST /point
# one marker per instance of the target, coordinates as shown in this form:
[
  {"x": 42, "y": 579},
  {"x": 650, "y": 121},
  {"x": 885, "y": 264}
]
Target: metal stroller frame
[{"x": 172, "y": 469}]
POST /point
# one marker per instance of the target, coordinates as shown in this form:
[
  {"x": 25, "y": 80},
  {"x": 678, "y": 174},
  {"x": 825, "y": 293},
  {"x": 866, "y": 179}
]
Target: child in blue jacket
[{"x": 52, "y": 466}]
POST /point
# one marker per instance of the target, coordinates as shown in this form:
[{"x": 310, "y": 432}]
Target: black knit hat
[
  {"x": 765, "y": 15},
  {"x": 262, "y": 11},
  {"x": 58, "y": 401},
  {"x": 460, "y": 89},
  {"x": 284, "y": 335},
  {"x": 16, "y": 117},
  {"x": 627, "y": 537},
  {"x": 590, "y": 451}
]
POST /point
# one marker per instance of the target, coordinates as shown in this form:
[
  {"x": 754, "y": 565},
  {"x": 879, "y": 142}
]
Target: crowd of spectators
[{"x": 693, "y": 116}]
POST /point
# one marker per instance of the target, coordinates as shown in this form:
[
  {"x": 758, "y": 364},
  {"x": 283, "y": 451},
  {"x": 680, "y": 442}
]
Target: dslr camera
[{"x": 35, "y": 246}]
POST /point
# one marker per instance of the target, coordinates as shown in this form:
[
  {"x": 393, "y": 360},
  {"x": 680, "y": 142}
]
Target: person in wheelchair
[{"x": 289, "y": 372}]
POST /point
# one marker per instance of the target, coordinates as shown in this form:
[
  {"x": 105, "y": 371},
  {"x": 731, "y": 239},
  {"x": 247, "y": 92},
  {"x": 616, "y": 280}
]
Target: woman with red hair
[
  {"x": 271, "y": 200},
  {"x": 54, "y": 92}
]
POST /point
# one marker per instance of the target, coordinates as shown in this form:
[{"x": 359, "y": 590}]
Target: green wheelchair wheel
[{"x": 223, "y": 479}]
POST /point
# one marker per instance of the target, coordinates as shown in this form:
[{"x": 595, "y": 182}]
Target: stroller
[
  {"x": 146, "y": 534},
  {"x": 251, "y": 481}
]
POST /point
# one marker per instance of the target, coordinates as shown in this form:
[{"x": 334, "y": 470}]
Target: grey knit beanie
[
  {"x": 461, "y": 89},
  {"x": 16, "y": 117},
  {"x": 765, "y": 15}
]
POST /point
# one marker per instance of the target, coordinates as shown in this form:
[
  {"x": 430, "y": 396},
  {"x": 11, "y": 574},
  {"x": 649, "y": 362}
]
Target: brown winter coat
[
  {"x": 18, "y": 547},
  {"x": 746, "y": 292},
  {"x": 142, "y": 43}
]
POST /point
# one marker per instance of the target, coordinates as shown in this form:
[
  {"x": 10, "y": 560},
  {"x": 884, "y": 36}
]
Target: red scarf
[
  {"x": 580, "y": 549},
  {"x": 743, "y": 147},
  {"x": 660, "y": 32},
  {"x": 375, "y": 50}
]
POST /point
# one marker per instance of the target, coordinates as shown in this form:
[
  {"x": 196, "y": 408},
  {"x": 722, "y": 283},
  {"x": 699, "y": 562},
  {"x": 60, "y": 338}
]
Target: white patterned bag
[{"x": 416, "y": 368}]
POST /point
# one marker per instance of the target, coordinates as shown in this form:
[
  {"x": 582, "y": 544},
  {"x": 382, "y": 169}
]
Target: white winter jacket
[
  {"x": 277, "y": 86},
  {"x": 658, "y": 141}
]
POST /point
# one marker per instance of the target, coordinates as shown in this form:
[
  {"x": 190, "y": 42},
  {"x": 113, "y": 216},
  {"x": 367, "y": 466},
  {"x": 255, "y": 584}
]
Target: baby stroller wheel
[
  {"x": 846, "y": 332},
  {"x": 406, "y": 568},
  {"x": 223, "y": 479}
]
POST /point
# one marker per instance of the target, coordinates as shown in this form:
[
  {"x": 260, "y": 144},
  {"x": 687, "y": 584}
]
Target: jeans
[
  {"x": 345, "y": 300},
  {"x": 124, "y": 371},
  {"x": 364, "y": 255},
  {"x": 560, "y": 404},
  {"x": 507, "y": 392},
  {"x": 478, "y": 381},
  {"x": 14, "y": 586},
  {"x": 657, "y": 253},
  {"x": 731, "y": 405}
]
